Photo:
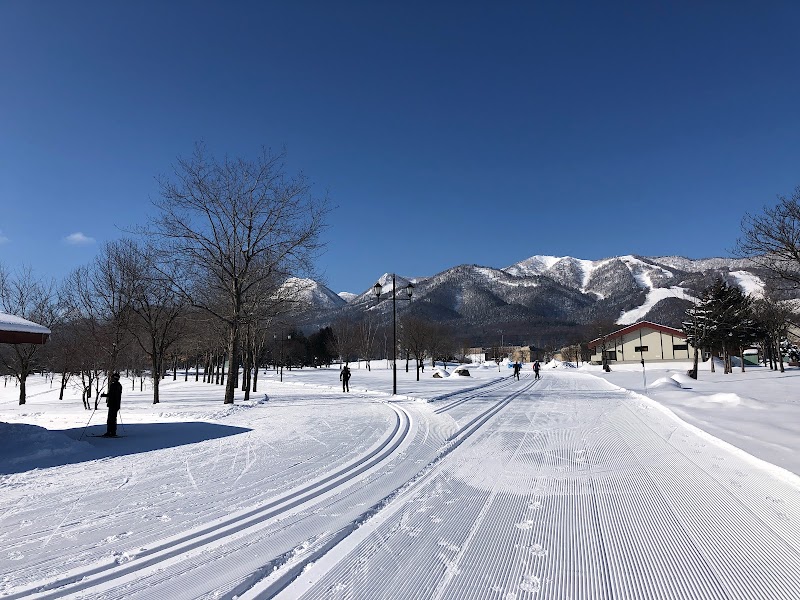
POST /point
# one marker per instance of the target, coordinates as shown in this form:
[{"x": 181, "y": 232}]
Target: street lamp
[
  {"x": 288, "y": 337},
  {"x": 378, "y": 288}
]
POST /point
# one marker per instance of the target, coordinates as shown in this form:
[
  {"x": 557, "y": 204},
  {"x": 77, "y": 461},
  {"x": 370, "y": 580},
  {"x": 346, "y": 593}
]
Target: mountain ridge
[{"x": 544, "y": 297}]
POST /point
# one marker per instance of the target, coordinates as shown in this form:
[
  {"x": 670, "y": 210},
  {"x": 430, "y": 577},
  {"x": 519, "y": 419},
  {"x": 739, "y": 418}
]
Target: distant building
[
  {"x": 643, "y": 340},
  {"x": 513, "y": 353}
]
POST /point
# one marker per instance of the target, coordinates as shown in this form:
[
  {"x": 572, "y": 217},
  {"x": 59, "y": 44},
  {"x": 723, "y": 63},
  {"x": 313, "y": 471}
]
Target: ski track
[
  {"x": 322, "y": 472},
  {"x": 576, "y": 491},
  {"x": 562, "y": 487}
]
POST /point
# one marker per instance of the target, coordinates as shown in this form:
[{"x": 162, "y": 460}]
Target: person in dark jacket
[
  {"x": 344, "y": 375},
  {"x": 517, "y": 368},
  {"x": 536, "y": 369},
  {"x": 114, "y": 400}
]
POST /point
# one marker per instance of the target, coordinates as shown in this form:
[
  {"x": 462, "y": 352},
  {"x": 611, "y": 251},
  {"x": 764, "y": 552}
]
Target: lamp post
[
  {"x": 378, "y": 288},
  {"x": 288, "y": 337}
]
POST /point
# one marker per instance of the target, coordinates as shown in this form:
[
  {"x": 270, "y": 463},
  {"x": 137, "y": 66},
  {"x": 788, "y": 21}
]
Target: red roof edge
[{"x": 22, "y": 337}]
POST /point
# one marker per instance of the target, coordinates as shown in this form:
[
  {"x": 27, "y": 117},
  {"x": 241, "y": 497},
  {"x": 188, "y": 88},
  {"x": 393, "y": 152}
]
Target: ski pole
[
  {"x": 87, "y": 424},
  {"x": 121, "y": 424}
]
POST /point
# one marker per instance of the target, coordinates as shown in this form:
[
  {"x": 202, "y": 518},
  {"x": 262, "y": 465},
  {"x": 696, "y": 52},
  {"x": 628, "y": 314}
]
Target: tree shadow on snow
[{"x": 39, "y": 448}]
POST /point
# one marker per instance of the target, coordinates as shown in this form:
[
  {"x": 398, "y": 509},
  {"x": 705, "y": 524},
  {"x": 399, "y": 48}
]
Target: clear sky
[{"x": 443, "y": 132}]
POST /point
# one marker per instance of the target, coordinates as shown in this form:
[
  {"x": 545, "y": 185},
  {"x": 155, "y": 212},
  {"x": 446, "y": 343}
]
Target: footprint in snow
[
  {"x": 531, "y": 583},
  {"x": 450, "y": 566},
  {"x": 164, "y": 518},
  {"x": 774, "y": 500},
  {"x": 25, "y": 523},
  {"x": 535, "y": 505},
  {"x": 15, "y": 555},
  {"x": 525, "y": 525},
  {"x": 534, "y": 550},
  {"x": 449, "y": 546},
  {"x": 118, "y": 536}
]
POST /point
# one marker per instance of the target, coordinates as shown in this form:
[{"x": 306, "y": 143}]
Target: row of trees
[
  {"x": 725, "y": 322},
  {"x": 211, "y": 272},
  {"x": 418, "y": 339}
]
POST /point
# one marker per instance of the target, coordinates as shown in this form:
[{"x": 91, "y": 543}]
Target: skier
[
  {"x": 517, "y": 368},
  {"x": 113, "y": 399},
  {"x": 536, "y": 369},
  {"x": 344, "y": 375}
]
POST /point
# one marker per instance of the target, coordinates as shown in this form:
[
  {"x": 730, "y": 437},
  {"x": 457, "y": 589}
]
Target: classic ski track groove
[
  {"x": 84, "y": 579},
  {"x": 657, "y": 520},
  {"x": 473, "y": 393},
  {"x": 297, "y": 567}
]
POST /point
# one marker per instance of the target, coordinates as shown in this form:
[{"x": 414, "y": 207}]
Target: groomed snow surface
[{"x": 579, "y": 485}]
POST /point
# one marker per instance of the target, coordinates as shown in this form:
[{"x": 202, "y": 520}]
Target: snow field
[{"x": 564, "y": 487}]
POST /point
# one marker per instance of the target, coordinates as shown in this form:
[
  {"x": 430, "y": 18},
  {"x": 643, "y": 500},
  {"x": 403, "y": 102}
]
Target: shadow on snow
[{"x": 28, "y": 447}]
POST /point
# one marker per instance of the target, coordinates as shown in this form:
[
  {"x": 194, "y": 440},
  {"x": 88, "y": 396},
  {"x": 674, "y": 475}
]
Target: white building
[{"x": 643, "y": 340}]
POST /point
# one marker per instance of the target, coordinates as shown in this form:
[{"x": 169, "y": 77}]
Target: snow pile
[
  {"x": 676, "y": 380},
  {"x": 558, "y": 364},
  {"x": 723, "y": 398},
  {"x": 33, "y": 447},
  {"x": 665, "y": 382},
  {"x": 440, "y": 373}
]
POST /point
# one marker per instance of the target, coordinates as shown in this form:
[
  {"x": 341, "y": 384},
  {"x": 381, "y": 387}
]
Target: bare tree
[
  {"x": 345, "y": 341},
  {"x": 99, "y": 295},
  {"x": 238, "y": 229},
  {"x": 441, "y": 343},
  {"x": 774, "y": 317},
  {"x": 23, "y": 295},
  {"x": 367, "y": 339},
  {"x": 772, "y": 240},
  {"x": 158, "y": 308},
  {"x": 416, "y": 336}
]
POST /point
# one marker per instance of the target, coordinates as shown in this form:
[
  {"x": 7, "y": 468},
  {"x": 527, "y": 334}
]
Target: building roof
[
  {"x": 16, "y": 330},
  {"x": 635, "y": 327}
]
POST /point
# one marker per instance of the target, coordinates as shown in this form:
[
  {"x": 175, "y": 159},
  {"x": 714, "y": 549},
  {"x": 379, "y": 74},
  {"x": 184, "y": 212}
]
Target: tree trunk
[
  {"x": 23, "y": 377},
  {"x": 246, "y": 373},
  {"x": 156, "y": 379},
  {"x": 63, "y": 385},
  {"x": 233, "y": 354},
  {"x": 693, "y": 374}
]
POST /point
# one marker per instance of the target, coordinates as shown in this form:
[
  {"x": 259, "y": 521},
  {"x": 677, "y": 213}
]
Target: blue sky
[{"x": 444, "y": 133}]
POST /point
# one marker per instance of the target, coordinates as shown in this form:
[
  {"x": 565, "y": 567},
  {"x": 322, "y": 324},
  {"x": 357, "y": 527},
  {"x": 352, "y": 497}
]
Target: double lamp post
[{"x": 378, "y": 288}]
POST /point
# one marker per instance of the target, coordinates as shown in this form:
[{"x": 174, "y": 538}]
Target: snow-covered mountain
[
  {"x": 314, "y": 294},
  {"x": 548, "y": 296}
]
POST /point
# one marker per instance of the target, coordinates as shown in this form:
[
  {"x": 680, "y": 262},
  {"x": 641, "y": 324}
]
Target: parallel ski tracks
[
  {"x": 270, "y": 588},
  {"x": 650, "y": 520},
  {"x": 82, "y": 581},
  {"x": 472, "y": 394}
]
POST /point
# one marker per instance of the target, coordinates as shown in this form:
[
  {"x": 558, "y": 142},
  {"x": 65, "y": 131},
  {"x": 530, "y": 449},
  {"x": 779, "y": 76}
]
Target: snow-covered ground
[{"x": 578, "y": 485}]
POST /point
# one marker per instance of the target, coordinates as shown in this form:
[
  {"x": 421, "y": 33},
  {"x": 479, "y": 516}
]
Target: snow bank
[{"x": 35, "y": 447}]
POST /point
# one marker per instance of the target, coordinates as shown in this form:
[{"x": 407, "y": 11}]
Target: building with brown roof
[{"x": 642, "y": 340}]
